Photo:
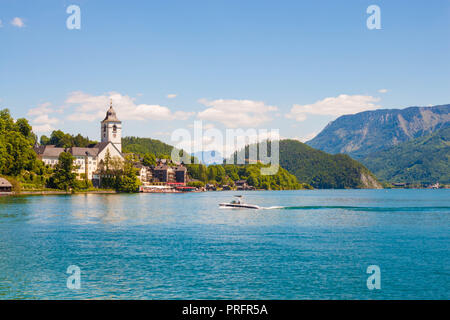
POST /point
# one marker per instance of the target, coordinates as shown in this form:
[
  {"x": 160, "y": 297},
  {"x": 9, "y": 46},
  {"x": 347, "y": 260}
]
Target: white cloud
[
  {"x": 383, "y": 90},
  {"x": 91, "y": 108},
  {"x": 1, "y": 23},
  {"x": 40, "y": 109},
  {"x": 18, "y": 22},
  {"x": 42, "y": 122},
  {"x": 236, "y": 113},
  {"x": 334, "y": 106},
  {"x": 172, "y": 96},
  {"x": 205, "y": 126},
  {"x": 43, "y": 128},
  {"x": 45, "y": 119}
]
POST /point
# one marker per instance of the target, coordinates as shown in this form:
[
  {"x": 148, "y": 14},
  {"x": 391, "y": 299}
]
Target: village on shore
[{"x": 101, "y": 165}]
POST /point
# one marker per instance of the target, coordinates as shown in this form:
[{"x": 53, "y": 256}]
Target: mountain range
[
  {"x": 393, "y": 145},
  {"x": 424, "y": 160},
  {"x": 398, "y": 145},
  {"x": 363, "y": 133}
]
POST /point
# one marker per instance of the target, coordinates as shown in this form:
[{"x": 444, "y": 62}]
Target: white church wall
[{"x": 112, "y": 151}]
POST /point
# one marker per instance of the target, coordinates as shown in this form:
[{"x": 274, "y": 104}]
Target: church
[{"x": 88, "y": 159}]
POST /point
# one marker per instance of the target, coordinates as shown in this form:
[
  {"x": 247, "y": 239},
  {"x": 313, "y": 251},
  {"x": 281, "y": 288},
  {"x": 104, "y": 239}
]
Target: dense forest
[
  {"x": 142, "y": 146},
  {"x": 423, "y": 160},
  {"x": 323, "y": 170}
]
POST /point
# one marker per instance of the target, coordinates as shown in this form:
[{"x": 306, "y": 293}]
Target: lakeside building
[
  {"x": 163, "y": 178},
  {"x": 5, "y": 186},
  {"x": 145, "y": 174},
  {"x": 162, "y": 173},
  {"x": 181, "y": 174},
  {"x": 87, "y": 160}
]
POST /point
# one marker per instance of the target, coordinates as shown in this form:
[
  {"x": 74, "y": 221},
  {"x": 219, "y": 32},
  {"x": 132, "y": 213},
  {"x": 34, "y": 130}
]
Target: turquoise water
[{"x": 312, "y": 245}]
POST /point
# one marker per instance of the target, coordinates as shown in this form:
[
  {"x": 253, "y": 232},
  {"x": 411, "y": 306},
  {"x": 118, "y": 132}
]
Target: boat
[{"x": 239, "y": 203}]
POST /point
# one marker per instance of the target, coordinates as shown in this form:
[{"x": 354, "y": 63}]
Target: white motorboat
[{"x": 239, "y": 203}]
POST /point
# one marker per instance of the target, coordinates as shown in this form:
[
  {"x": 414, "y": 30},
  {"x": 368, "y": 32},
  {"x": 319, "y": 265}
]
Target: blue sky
[{"x": 289, "y": 65}]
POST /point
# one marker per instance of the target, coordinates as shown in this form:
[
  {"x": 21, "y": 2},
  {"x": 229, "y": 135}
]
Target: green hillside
[
  {"x": 323, "y": 170},
  {"x": 145, "y": 145},
  {"x": 422, "y": 160}
]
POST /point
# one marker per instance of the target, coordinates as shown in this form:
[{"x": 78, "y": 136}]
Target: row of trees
[
  {"x": 229, "y": 173},
  {"x": 66, "y": 140}
]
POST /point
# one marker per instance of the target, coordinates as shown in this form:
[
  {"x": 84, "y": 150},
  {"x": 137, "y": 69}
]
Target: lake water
[{"x": 182, "y": 246}]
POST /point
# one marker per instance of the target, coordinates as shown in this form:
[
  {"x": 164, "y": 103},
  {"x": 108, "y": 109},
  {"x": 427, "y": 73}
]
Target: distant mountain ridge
[
  {"x": 424, "y": 160},
  {"x": 366, "y": 132},
  {"x": 209, "y": 157}
]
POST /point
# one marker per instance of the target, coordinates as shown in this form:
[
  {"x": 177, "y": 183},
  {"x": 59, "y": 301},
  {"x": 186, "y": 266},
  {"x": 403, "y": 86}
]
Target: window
[{"x": 114, "y": 128}]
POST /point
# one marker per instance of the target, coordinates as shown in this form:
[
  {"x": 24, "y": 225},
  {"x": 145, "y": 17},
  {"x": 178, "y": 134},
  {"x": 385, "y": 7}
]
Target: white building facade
[{"x": 87, "y": 160}]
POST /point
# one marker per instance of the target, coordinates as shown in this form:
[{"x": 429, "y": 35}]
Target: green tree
[
  {"x": 61, "y": 139},
  {"x": 127, "y": 181},
  {"x": 24, "y": 128},
  {"x": 107, "y": 160},
  {"x": 64, "y": 178},
  {"x": 45, "y": 140},
  {"x": 149, "y": 159},
  {"x": 16, "y": 146},
  {"x": 196, "y": 184}
]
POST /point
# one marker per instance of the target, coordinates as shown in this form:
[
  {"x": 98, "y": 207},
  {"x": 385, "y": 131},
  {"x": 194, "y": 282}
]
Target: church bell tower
[{"x": 111, "y": 128}]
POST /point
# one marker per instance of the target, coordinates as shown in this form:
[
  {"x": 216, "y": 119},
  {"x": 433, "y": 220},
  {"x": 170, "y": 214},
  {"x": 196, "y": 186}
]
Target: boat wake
[{"x": 356, "y": 208}]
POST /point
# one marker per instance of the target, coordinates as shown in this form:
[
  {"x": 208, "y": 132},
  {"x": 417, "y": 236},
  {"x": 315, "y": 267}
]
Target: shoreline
[{"x": 55, "y": 192}]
